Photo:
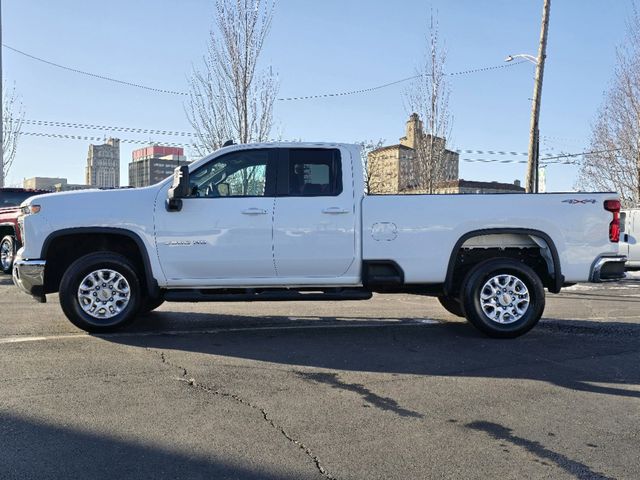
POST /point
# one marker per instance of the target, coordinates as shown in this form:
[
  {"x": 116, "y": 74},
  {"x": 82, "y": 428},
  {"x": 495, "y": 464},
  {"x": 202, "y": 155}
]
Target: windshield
[{"x": 13, "y": 199}]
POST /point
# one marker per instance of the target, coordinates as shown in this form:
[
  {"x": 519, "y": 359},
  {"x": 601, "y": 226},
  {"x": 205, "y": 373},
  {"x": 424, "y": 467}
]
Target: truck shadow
[
  {"x": 596, "y": 357},
  {"x": 37, "y": 449}
]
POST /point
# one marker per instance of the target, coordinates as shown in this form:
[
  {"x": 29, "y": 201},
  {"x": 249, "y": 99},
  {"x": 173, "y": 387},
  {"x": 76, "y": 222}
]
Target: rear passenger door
[{"x": 314, "y": 214}]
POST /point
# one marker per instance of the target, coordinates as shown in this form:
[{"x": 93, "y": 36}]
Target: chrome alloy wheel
[
  {"x": 103, "y": 294},
  {"x": 6, "y": 255},
  {"x": 504, "y": 299}
]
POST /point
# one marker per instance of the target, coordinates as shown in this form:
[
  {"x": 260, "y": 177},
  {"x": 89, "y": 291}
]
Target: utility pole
[{"x": 534, "y": 134}]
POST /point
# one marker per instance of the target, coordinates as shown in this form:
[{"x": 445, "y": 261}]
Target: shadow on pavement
[
  {"x": 574, "y": 354},
  {"x": 31, "y": 449},
  {"x": 5, "y": 279},
  {"x": 499, "y": 432}
]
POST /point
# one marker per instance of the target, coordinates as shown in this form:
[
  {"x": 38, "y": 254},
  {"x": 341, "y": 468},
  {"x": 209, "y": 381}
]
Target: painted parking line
[{"x": 155, "y": 333}]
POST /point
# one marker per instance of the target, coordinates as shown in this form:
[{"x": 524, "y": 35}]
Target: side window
[
  {"x": 237, "y": 174},
  {"x": 623, "y": 221},
  {"x": 314, "y": 172}
]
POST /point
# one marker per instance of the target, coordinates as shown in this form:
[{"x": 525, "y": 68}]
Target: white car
[
  {"x": 630, "y": 237},
  {"x": 291, "y": 221}
]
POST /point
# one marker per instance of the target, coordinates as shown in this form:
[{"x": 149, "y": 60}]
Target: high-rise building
[
  {"x": 153, "y": 164},
  {"x": 103, "y": 164}
]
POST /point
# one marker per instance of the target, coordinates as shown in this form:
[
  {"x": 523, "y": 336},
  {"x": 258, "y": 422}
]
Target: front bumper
[
  {"x": 28, "y": 276},
  {"x": 606, "y": 269}
]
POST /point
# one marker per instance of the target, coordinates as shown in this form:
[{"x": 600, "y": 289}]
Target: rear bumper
[
  {"x": 28, "y": 276},
  {"x": 606, "y": 269}
]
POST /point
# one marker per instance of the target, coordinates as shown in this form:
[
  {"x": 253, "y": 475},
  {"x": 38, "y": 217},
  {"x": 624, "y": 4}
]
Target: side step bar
[{"x": 255, "y": 295}]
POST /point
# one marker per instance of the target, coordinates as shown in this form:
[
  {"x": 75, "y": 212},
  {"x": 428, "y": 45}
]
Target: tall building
[
  {"x": 395, "y": 168},
  {"x": 153, "y": 164},
  {"x": 103, "y": 164}
]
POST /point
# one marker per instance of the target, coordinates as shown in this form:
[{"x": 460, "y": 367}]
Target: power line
[
  {"x": 378, "y": 87},
  {"x": 100, "y": 139},
  {"x": 151, "y": 131},
  {"x": 94, "y": 75},
  {"x": 87, "y": 126},
  {"x": 557, "y": 159},
  {"x": 282, "y": 99}
]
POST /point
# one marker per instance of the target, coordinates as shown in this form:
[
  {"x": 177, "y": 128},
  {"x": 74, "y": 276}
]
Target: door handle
[
  {"x": 335, "y": 210},
  {"x": 254, "y": 211}
]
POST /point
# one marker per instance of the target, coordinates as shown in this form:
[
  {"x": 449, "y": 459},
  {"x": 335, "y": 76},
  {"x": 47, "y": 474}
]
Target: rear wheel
[
  {"x": 503, "y": 298},
  {"x": 451, "y": 305},
  {"x": 100, "y": 292},
  {"x": 7, "y": 253}
]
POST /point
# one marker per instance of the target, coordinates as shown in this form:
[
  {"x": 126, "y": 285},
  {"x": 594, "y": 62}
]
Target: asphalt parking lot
[{"x": 391, "y": 388}]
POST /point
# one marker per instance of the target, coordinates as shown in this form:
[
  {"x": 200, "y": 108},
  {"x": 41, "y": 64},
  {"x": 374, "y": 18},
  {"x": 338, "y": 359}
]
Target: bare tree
[
  {"x": 428, "y": 96},
  {"x": 12, "y": 118},
  {"x": 615, "y": 134},
  {"x": 228, "y": 97},
  {"x": 371, "y": 175}
]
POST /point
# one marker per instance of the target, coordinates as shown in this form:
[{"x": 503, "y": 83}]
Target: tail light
[{"x": 613, "y": 206}]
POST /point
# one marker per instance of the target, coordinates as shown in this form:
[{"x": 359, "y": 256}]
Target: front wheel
[
  {"x": 503, "y": 298},
  {"x": 7, "y": 253},
  {"x": 100, "y": 292}
]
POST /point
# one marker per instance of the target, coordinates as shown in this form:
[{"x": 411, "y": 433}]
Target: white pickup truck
[{"x": 291, "y": 221}]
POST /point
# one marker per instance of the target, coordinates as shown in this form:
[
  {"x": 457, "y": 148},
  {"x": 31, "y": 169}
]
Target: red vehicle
[{"x": 10, "y": 239}]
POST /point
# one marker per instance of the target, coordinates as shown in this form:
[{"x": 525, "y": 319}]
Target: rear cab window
[{"x": 312, "y": 172}]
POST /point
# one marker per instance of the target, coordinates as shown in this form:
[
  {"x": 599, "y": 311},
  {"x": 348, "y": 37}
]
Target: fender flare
[
  {"x": 150, "y": 280},
  {"x": 558, "y": 278}
]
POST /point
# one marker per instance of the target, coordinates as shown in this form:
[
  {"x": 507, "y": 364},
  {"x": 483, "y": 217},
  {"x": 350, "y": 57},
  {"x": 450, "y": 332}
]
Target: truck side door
[
  {"x": 223, "y": 234},
  {"x": 314, "y": 215}
]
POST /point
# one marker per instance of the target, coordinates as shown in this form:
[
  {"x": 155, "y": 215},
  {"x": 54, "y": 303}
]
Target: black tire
[
  {"x": 79, "y": 271},
  {"x": 149, "y": 304},
  {"x": 451, "y": 305},
  {"x": 480, "y": 276},
  {"x": 8, "y": 252}
]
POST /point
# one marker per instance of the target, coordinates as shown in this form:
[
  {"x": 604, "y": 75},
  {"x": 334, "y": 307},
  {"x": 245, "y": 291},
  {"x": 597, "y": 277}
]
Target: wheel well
[
  {"x": 530, "y": 249},
  {"x": 6, "y": 230},
  {"x": 63, "y": 250}
]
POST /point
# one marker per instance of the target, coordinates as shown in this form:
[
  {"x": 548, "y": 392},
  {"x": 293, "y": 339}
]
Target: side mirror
[{"x": 179, "y": 189}]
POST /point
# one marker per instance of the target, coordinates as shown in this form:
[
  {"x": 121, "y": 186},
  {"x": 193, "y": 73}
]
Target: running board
[{"x": 253, "y": 295}]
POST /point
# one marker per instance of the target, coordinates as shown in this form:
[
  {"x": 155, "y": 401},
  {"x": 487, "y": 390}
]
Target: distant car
[
  {"x": 10, "y": 238},
  {"x": 630, "y": 237}
]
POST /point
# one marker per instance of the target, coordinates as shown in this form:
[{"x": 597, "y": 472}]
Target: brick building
[
  {"x": 152, "y": 164},
  {"x": 393, "y": 169}
]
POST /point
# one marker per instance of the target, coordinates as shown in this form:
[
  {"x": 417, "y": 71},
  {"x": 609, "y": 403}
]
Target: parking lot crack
[{"x": 191, "y": 382}]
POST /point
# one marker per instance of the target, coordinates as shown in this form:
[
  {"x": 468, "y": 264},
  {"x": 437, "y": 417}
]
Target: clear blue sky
[{"x": 316, "y": 47}]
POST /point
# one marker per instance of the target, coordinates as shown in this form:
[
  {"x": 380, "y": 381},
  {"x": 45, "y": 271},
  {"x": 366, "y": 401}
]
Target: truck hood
[{"x": 86, "y": 208}]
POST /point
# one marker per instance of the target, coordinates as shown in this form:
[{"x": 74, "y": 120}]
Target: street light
[
  {"x": 532, "y": 182},
  {"x": 526, "y": 56}
]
